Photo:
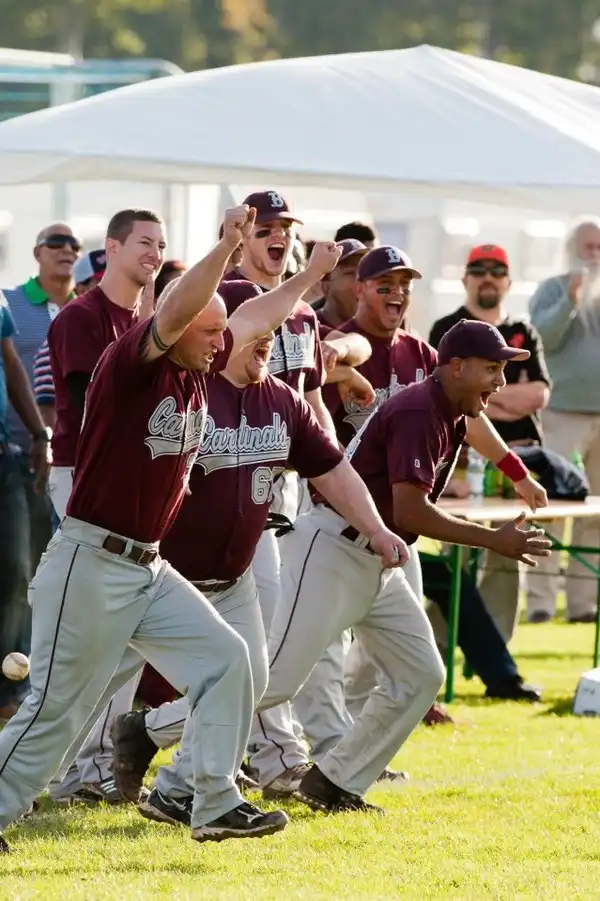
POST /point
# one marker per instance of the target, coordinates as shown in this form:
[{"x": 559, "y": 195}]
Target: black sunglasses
[
  {"x": 497, "y": 270},
  {"x": 56, "y": 242}
]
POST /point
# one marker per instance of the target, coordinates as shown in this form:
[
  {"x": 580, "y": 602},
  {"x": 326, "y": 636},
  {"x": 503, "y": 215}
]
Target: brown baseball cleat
[
  {"x": 437, "y": 716},
  {"x": 286, "y": 784},
  {"x": 133, "y": 751},
  {"x": 320, "y": 793}
]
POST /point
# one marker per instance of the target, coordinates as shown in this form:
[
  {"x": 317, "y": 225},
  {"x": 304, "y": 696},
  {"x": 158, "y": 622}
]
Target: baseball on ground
[{"x": 15, "y": 666}]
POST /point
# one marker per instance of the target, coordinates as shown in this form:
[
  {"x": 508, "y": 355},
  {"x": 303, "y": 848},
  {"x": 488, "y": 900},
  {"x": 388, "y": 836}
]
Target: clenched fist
[
  {"x": 237, "y": 225},
  {"x": 324, "y": 258}
]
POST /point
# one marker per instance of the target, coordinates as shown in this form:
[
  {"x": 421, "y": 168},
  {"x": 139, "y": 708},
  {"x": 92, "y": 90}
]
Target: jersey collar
[{"x": 35, "y": 293}]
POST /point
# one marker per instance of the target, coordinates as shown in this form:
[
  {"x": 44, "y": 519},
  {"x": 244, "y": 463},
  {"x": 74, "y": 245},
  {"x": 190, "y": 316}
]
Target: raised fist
[
  {"x": 237, "y": 224},
  {"x": 324, "y": 258}
]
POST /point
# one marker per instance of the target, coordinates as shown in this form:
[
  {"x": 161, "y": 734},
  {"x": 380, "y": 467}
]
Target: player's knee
[{"x": 434, "y": 671}]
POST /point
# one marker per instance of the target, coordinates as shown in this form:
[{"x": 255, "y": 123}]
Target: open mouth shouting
[{"x": 276, "y": 251}]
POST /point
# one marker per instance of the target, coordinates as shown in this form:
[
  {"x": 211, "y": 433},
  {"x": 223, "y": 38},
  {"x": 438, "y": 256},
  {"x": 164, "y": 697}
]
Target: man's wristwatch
[{"x": 44, "y": 434}]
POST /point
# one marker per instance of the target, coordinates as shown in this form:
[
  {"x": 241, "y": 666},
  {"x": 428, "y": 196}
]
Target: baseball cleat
[
  {"x": 80, "y": 796},
  {"x": 395, "y": 776},
  {"x": 133, "y": 751},
  {"x": 246, "y": 783},
  {"x": 163, "y": 809},
  {"x": 287, "y": 783},
  {"x": 4, "y": 849},
  {"x": 244, "y": 821},
  {"x": 105, "y": 791},
  {"x": 320, "y": 793},
  {"x": 437, "y": 716}
]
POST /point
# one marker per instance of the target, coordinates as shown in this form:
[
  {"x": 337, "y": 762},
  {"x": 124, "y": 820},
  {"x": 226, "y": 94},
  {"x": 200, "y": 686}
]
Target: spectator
[
  {"x": 15, "y": 563},
  {"x": 33, "y": 305},
  {"x": 170, "y": 269},
  {"x": 88, "y": 270},
  {"x": 360, "y": 231},
  {"x": 515, "y": 413},
  {"x": 566, "y": 311}
]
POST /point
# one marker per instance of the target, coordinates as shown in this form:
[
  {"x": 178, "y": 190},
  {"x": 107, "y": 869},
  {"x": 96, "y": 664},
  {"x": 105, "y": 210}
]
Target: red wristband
[{"x": 513, "y": 467}]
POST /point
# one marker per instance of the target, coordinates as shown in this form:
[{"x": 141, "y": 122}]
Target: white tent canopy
[{"x": 422, "y": 119}]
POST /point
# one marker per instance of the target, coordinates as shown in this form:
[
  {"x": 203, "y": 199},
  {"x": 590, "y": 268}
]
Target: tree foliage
[{"x": 550, "y": 35}]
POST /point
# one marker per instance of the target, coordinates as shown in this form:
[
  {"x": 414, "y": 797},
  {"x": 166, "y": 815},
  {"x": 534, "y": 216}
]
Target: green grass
[{"x": 503, "y": 806}]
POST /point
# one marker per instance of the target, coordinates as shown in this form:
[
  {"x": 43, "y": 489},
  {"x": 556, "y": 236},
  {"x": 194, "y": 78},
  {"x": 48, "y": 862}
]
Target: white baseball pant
[
  {"x": 331, "y": 584},
  {"x": 91, "y": 605}
]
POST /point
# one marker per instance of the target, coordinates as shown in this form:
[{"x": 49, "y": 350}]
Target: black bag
[{"x": 562, "y": 480}]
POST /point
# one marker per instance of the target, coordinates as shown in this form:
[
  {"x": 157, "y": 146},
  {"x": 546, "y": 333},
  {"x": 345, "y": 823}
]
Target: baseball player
[
  {"x": 256, "y": 427},
  {"x": 120, "y": 280},
  {"x": 405, "y": 453},
  {"x": 102, "y": 583},
  {"x": 384, "y": 278}
]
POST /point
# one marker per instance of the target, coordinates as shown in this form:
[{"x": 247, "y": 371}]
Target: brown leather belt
[
  {"x": 114, "y": 544},
  {"x": 215, "y": 586},
  {"x": 352, "y": 535}
]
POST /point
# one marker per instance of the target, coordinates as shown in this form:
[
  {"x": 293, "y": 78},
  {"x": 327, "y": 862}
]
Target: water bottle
[
  {"x": 475, "y": 473},
  {"x": 577, "y": 459},
  {"x": 492, "y": 480}
]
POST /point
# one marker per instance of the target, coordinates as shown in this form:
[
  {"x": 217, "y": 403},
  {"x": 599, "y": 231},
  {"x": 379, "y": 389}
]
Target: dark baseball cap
[
  {"x": 236, "y": 292},
  {"x": 473, "y": 338},
  {"x": 488, "y": 252},
  {"x": 384, "y": 259},
  {"x": 351, "y": 248},
  {"x": 90, "y": 265},
  {"x": 270, "y": 205}
]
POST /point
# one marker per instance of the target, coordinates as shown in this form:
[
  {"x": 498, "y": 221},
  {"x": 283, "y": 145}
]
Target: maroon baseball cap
[
  {"x": 473, "y": 338},
  {"x": 235, "y": 293},
  {"x": 488, "y": 252},
  {"x": 270, "y": 205},
  {"x": 384, "y": 259},
  {"x": 351, "y": 248}
]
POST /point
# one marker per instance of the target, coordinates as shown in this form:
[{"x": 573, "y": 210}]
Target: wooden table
[{"x": 489, "y": 509}]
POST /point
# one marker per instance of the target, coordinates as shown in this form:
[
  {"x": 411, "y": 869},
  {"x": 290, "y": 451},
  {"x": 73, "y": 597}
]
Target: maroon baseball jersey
[
  {"x": 140, "y": 435},
  {"x": 252, "y": 434},
  {"x": 77, "y": 338},
  {"x": 393, "y": 365},
  {"x": 413, "y": 437},
  {"x": 296, "y": 357}
]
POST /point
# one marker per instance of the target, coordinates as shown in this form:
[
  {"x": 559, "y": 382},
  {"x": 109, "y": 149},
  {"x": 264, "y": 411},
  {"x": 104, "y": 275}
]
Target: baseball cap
[
  {"x": 270, "y": 205},
  {"x": 381, "y": 260},
  {"x": 90, "y": 265},
  {"x": 488, "y": 252},
  {"x": 234, "y": 293},
  {"x": 351, "y": 247},
  {"x": 473, "y": 338}
]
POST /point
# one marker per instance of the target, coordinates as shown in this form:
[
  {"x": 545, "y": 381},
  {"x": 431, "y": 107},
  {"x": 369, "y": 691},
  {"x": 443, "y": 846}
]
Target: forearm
[
  {"x": 268, "y": 311},
  {"x": 195, "y": 289},
  {"x": 353, "y": 350},
  {"x": 315, "y": 400},
  {"x": 483, "y": 437},
  {"x": 432, "y": 522},
  {"x": 341, "y": 373},
  {"x": 344, "y": 489},
  {"x": 48, "y": 415},
  {"x": 21, "y": 396},
  {"x": 518, "y": 400}
]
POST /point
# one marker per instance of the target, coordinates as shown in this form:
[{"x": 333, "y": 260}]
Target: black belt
[
  {"x": 114, "y": 544},
  {"x": 353, "y": 535},
  {"x": 216, "y": 586},
  {"x": 281, "y": 523}
]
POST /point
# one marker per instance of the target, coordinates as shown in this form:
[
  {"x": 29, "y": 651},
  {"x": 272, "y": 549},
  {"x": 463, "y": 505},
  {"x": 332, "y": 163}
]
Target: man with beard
[
  {"x": 515, "y": 413},
  {"x": 256, "y": 427},
  {"x": 566, "y": 311}
]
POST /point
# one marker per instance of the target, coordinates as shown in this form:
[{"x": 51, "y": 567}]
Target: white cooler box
[{"x": 587, "y": 696}]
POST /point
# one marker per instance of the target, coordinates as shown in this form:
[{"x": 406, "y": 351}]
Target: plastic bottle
[
  {"x": 475, "y": 473},
  {"x": 577, "y": 459},
  {"x": 492, "y": 481}
]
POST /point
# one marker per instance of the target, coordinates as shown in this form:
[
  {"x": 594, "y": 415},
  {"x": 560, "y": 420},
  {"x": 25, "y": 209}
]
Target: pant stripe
[
  {"x": 48, "y": 677},
  {"x": 102, "y": 748},
  {"x": 294, "y": 605},
  {"x": 268, "y": 737}
]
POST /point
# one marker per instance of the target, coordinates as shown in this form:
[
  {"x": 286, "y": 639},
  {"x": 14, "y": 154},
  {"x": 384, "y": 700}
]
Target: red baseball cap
[
  {"x": 488, "y": 252},
  {"x": 236, "y": 292},
  {"x": 270, "y": 205},
  {"x": 384, "y": 259},
  {"x": 474, "y": 338}
]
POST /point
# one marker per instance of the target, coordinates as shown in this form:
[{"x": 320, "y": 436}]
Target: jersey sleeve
[
  {"x": 7, "y": 323},
  {"x": 316, "y": 376},
  {"x": 413, "y": 449},
  {"x": 312, "y": 453},
  {"x": 75, "y": 339}
]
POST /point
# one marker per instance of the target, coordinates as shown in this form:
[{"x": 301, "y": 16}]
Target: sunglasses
[
  {"x": 57, "y": 242},
  {"x": 497, "y": 270}
]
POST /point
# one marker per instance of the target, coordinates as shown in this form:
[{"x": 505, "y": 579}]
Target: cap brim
[
  {"x": 414, "y": 272},
  {"x": 511, "y": 353},
  {"x": 271, "y": 216}
]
